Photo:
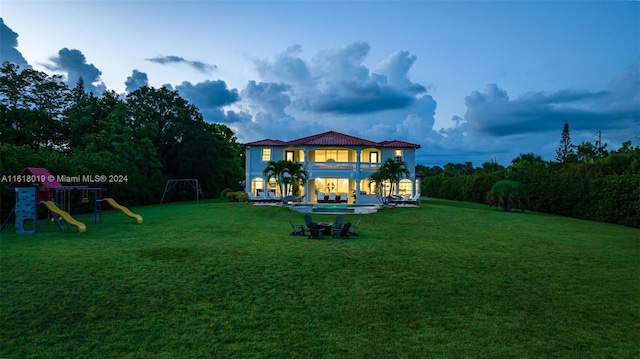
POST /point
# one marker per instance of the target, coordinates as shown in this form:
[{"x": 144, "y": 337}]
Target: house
[{"x": 335, "y": 163}]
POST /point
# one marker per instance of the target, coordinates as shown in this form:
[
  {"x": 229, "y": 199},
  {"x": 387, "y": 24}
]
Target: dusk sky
[{"x": 467, "y": 80}]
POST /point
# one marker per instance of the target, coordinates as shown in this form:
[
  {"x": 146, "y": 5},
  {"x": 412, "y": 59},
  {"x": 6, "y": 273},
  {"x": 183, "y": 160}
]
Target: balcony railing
[{"x": 343, "y": 166}]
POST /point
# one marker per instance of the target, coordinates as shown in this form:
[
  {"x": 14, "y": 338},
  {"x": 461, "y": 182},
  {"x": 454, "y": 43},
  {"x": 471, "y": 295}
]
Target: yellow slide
[
  {"x": 66, "y": 216},
  {"x": 124, "y": 209}
]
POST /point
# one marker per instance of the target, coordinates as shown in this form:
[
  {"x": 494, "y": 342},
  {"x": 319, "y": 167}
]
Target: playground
[{"x": 40, "y": 187}]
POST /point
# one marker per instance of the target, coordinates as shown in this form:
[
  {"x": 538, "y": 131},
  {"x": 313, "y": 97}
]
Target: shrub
[
  {"x": 236, "y": 196},
  {"x": 507, "y": 194}
]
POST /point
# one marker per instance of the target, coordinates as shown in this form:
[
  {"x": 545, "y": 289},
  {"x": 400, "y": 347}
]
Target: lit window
[
  {"x": 405, "y": 187},
  {"x": 398, "y": 155},
  {"x": 266, "y": 154},
  {"x": 288, "y": 155}
]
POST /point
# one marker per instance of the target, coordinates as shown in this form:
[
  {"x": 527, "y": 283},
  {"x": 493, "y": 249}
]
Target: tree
[
  {"x": 429, "y": 171},
  {"x": 392, "y": 171},
  {"x": 32, "y": 103},
  {"x": 289, "y": 175},
  {"x": 164, "y": 117},
  {"x": 565, "y": 152},
  {"x": 276, "y": 169},
  {"x": 294, "y": 177},
  {"x": 507, "y": 194},
  {"x": 490, "y": 167}
]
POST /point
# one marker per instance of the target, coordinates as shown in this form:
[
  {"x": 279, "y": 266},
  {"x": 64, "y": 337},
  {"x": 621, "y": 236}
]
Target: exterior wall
[{"x": 355, "y": 171}]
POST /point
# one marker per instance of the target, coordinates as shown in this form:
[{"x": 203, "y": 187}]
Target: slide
[
  {"x": 124, "y": 209},
  {"x": 66, "y": 216}
]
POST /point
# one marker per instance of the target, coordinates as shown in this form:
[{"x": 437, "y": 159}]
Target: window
[
  {"x": 397, "y": 154},
  {"x": 332, "y": 155},
  {"x": 266, "y": 154},
  {"x": 405, "y": 187},
  {"x": 288, "y": 155},
  {"x": 373, "y": 157},
  {"x": 257, "y": 185}
]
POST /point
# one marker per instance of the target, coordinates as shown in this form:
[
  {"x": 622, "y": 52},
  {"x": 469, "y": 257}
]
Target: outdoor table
[{"x": 327, "y": 226}]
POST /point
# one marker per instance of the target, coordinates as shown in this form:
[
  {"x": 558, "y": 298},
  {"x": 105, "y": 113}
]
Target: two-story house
[{"x": 335, "y": 163}]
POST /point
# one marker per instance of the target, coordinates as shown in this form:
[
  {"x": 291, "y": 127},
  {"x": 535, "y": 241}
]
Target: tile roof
[
  {"x": 38, "y": 173},
  {"x": 266, "y": 142},
  {"x": 398, "y": 144},
  {"x": 333, "y": 138}
]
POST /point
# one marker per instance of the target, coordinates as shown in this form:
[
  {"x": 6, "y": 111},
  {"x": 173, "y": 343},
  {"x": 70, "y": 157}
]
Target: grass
[{"x": 446, "y": 280}]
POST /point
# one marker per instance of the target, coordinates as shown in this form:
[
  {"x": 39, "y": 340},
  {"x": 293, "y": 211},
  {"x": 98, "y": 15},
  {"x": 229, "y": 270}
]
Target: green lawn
[{"x": 223, "y": 280}]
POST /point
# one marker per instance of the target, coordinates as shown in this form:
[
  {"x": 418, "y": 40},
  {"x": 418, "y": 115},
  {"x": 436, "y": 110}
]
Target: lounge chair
[
  {"x": 297, "y": 230},
  {"x": 292, "y": 199},
  {"x": 404, "y": 199},
  {"x": 262, "y": 197},
  {"x": 416, "y": 198},
  {"x": 337, "y": 226},
  {"x": 315, "y": 232},
  {"x": 344, "y": 232},
  {"x": 252, "y": 198},
  {"x": 272, "y": 197},
  {"x": 394, "y": 199},
  {"x": 308, "y": 221},
  {"x": 355, "y": 226}
]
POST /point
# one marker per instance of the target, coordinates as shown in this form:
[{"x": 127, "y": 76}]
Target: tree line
[
  {"x": 150, "y": 135},
  {"x": 586, "y": 181}
]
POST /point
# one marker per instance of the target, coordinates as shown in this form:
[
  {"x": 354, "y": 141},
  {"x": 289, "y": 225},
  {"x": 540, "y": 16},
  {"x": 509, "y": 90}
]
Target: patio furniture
[
  {"x": 272, "y": 197},
  {"x": 292, "y": 199},
  {"x": 337, "y": 226},
  {"x": 307, "y": 220},
  {"x": 326, "y": 226},
  {"x": 332, "y": 197},
  {"x": 355, "y": 226},
  {"x": 344, "y": 232},
  {"x": 252, "y": 198},
  {"x": 322, "y": 197},
  {"x": 315, "y": 232},
  {"x": 297, "y": 230},
  {"x": 343, "y": 198}
]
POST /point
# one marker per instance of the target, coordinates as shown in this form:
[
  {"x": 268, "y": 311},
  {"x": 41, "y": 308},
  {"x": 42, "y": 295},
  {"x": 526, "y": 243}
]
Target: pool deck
[{"x": 320, "y": 208}]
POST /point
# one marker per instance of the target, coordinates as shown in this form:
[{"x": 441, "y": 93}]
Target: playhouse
[{"x": 34, "y": 186}]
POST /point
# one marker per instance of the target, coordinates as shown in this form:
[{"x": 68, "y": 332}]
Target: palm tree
[
  {"x": 294, "y": 176},
  {"x": 392, "y": 171},
  {"x": 289, "y": 175},
  {"x": 377, "y": 178},
  {"x": 275, "y": 169}
]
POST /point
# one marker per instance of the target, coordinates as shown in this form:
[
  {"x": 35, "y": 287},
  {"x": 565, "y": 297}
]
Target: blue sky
[{"x": 467, "y": 80}]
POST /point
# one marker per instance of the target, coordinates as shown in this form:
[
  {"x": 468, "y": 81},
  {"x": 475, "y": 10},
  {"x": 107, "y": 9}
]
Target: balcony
[{"x": 343, "y": 166}]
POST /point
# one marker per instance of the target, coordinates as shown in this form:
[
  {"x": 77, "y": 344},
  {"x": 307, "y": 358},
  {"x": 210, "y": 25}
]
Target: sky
[{"x": 469, "y": 81}]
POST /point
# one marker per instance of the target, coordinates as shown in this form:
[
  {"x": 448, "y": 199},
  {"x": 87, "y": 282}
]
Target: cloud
[
  {"x": 287, "y": 67},
  {"x": 136, "y": 80},
  {"x": 492, "y": 112},
  {"x": 208, "y": 94},
  {"x": 396, "y": 67},
  {"x": 9, "y": 47},
  {"x": 197, "y": 65},
  {"x": 337, "y": 82},
  {"x": 497, "y": 127},
  {"x": 210, "y": 97},
  {"x": 267, "y": 97},
  {"x": 74, "y": 64}
]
